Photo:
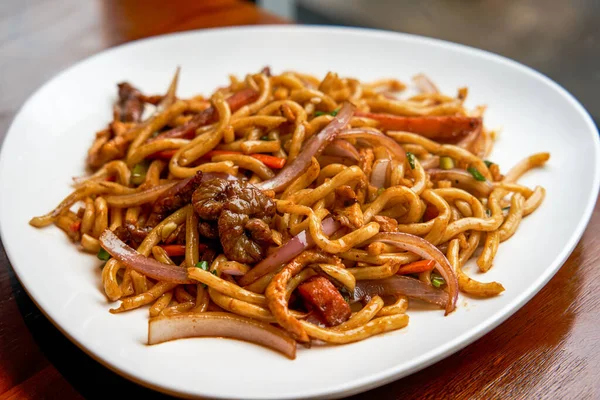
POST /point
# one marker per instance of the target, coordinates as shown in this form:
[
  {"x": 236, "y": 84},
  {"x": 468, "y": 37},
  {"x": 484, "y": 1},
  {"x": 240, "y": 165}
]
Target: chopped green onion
[
  {"x": 380, "y": 190},
  {"x": 214, "y": 272},
  {"x": 265, "y": 138},
  {"x": 446, "y": 163},
  {"x": 506, "y": 209},
  {"x": 103, "y": 254},
  {"x": 437, "y": 281},
  {"x": 332, "y": 113},
  {"x": 476, "y": 174},
  {"x": 411, "y": 159},
  {"x": 202, "y": 265},
  {"x": 488, "y": 212},
  {"x": 138, "y": 174},
  {"x": 155, "y": 134},
  {"x": 488, "y": 163}
]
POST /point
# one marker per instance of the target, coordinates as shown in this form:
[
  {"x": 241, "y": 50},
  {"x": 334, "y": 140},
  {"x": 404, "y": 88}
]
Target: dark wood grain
[{"x": 548, "y": 349}]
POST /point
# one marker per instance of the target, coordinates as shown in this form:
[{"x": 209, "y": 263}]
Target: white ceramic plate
[{"x": 47, "y": 144}]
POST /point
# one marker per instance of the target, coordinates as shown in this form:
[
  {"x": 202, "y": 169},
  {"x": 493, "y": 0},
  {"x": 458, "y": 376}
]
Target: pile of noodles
[{"x": 426, "y": 202}]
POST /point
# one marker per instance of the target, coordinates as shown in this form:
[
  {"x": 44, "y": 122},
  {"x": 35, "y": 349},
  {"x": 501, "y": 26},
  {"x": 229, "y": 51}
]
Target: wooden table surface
[{"x": 548, "y": 349}]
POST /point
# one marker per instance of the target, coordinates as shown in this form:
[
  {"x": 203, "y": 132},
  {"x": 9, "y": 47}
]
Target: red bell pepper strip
[
  {"x": 448, "y": 129},
  {"x": 269, "y": 161},
  {"x": 416, "y": 267},
  {"x": 75, "y": 226},
  {"x": 174, "y": 250}
]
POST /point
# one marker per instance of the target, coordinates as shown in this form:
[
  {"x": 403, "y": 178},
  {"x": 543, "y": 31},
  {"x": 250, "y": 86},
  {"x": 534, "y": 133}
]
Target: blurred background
[{"x": 560, "y": 38}]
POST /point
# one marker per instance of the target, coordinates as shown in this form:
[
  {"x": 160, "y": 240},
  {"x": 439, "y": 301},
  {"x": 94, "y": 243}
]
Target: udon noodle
[{"x": 286, "y": 209}]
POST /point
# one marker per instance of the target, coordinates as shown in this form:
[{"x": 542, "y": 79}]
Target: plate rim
[{"x": 426, "y": 359}]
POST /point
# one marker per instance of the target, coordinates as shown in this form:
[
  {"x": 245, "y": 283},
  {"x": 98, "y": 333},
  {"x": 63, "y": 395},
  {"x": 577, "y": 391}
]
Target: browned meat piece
[
  {"x": 243, "y": 197},
  {"x": 346, "y": 209},
  {"x": 123, "y": 234},
  {"x": 259, "y": 230},
  {"x": 209, "y": 199},
  {"x": 321, "y": 296},
  {"x": 365, "y": 160},
  {"x": 208, "y": 230},
  {"x": 237, "y": 245},
  {"x": 344, "y": 197},
  {"x": 130, "y": 106},
  {"x": 243, "y": 212},
  {"x": 174, "y": 198},
  {"x": 131, "y": 234},
  {"x": 386, "y": 224},
  {"x": 209, "y": 254},
  {"x": 245, "y": 201}
]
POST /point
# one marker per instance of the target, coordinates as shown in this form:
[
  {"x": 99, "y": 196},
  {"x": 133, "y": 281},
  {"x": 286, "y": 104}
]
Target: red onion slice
[
  {"x": 220, "y": 324},
  {"x": 312, "y": 148},
  {"x": 379, "y": 173},
  {"x": 400, "y": 285},
  {"x": 424, "y": 84},
  {"x": 426, "y": 250},
  {"x": 373, "y": 136},
  {"x": 285, "y": 253},
  {"x": 341, "y": 148},
  {"x": 233, "y": 268},
  {"x": 431, "y": 162},
  {"x": 144, "y": 265},
  {"x": 232, "y": 272}
]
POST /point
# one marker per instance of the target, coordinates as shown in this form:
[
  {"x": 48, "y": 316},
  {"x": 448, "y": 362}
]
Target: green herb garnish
[
  {"x": 488, "y": 163},
  {"x": 446, "y": 163},
  {"x": 332, "y": 113},
  {"x": 214, "y": 272},
  {"x": 265, "y": 138},
  {"x": 488, "y": 212},
  {"x": 476, "y": 174},
  {"x": 437, "y": 281},
  {"x": 202, "y": 265},
  {"x": 506, "y": 208},
  {"x": 411, "y": 159},
  {"x": 138, "y": 174},
  {"x": 103, "y": 254},
  {"x": 380, "y": 190}
]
